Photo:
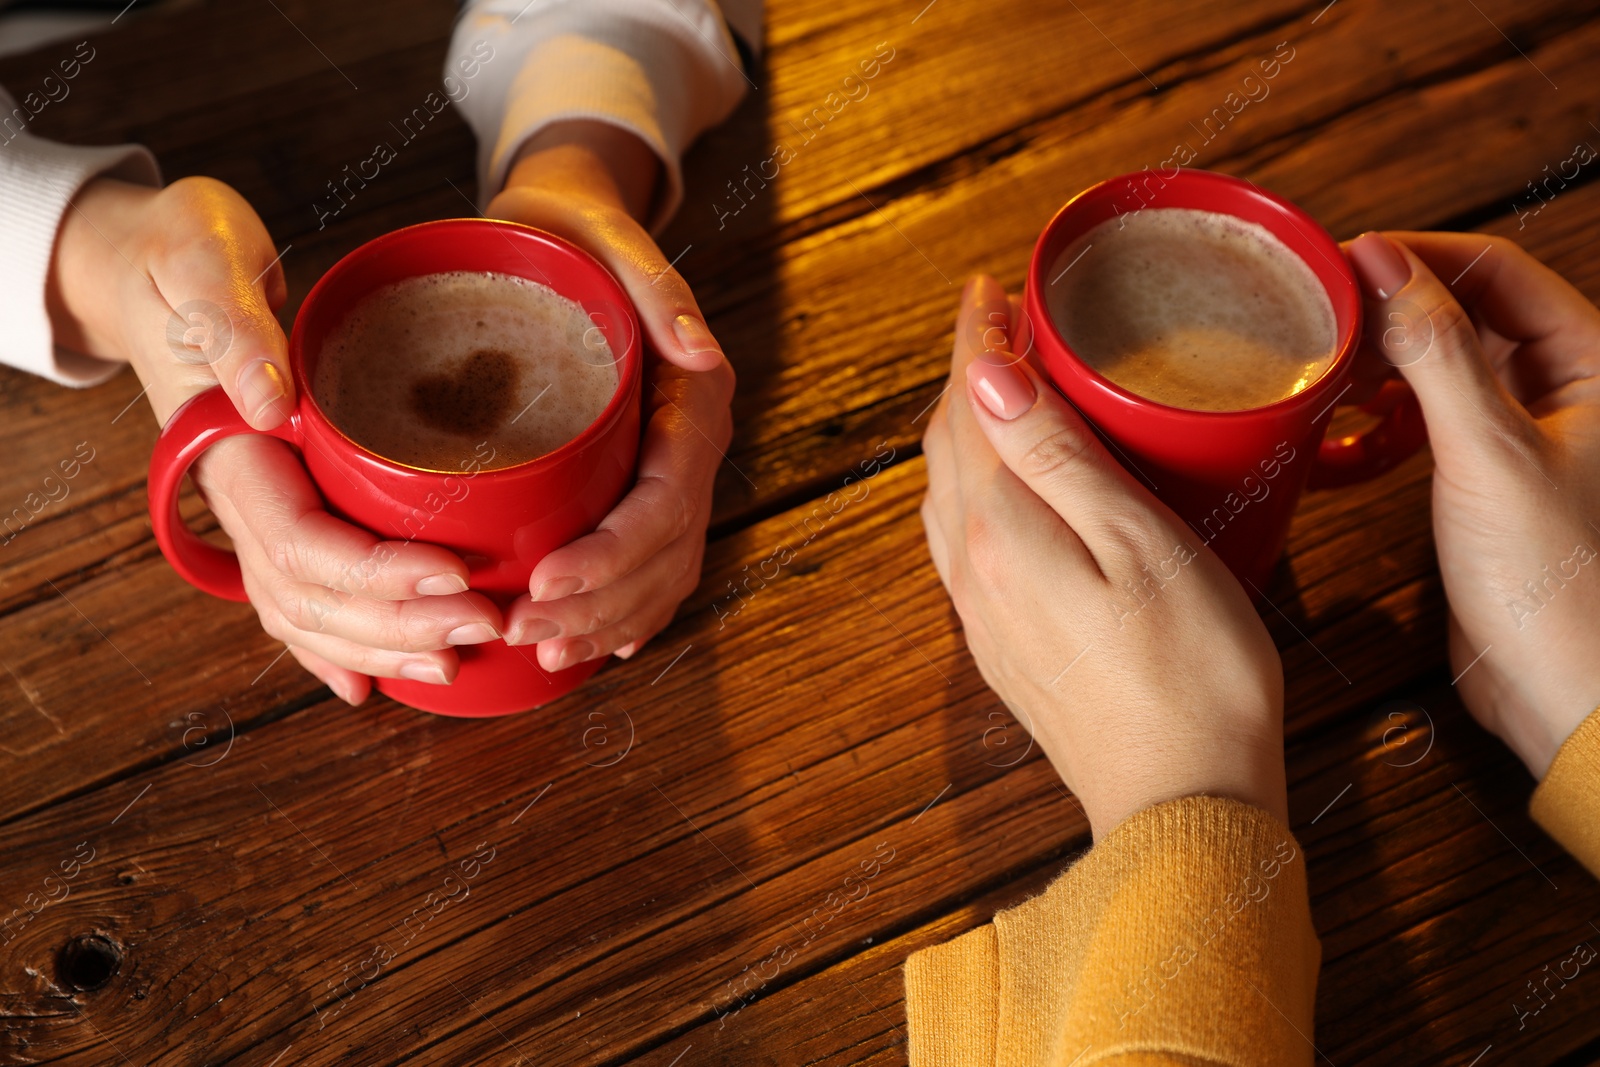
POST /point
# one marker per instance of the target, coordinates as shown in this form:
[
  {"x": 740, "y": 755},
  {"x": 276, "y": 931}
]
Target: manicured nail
[
  {"x": 694, "y": 335},
  {"x": 260, "y": 388},
  {"x": 471, "y": 633},
  {"x": 576, "y": 652},
  {"x": 441, "y": 585},
  {"x": 344, "y": 690},
  {"x": 627, "y": 650},
  {"x": 1002, "y": 388},
  {"x": 424, "y": 671},
  {"x": 1383, "y": 270},
  {"x": 556, "y": 588},
  {"x": 532, "y": 632}
]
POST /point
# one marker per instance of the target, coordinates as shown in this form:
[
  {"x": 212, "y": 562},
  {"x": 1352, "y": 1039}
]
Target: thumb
[
  {"x": 1416, "y": 324},
  {"x": 669, "y": 315},
  {"x": 1047, "y": 444},
  {"x": 222, "y": 294}
]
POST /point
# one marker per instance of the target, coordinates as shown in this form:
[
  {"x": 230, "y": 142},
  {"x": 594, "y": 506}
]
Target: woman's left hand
[
  {"x": 614, "y": 589},
  {"x": 1116, "y": 636}
]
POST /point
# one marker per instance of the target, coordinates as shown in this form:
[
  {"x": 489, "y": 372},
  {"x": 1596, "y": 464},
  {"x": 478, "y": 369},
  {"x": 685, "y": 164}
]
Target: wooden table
[{"x": 652, "y": 870}]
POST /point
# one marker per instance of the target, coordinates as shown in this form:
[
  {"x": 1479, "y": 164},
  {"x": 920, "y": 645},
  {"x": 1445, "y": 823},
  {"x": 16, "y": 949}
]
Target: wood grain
[{"x": 264, "y": 857}]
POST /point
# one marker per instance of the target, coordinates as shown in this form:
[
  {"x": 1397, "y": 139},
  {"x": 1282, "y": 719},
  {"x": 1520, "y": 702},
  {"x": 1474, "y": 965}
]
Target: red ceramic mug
[
  {"x": 1233, "y": 476},
  {"x": 500, "y": 520}
]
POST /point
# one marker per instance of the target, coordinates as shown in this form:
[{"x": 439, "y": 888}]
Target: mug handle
[
  {"x": 201, "y": 422},
  {"x": 1357, "y": 457}
]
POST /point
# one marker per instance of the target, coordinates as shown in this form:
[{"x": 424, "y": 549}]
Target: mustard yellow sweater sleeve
[
  {"x": 1182, "y": 939},
  {"x": 1567, "y": 802}
]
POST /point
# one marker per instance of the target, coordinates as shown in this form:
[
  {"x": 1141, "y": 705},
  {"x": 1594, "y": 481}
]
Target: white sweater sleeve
[
  {"x": 665, "y": 70},
  {"x": 38, "y": 179}
]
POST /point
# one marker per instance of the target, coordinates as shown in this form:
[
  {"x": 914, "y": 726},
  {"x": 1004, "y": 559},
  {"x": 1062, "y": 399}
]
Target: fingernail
[
  {"x": 441, "y": 585},
  {"x": 1383, "y": 270},
  {"x": 627, "y": 650},
  {"x": 424, "y": 671},
  {"x": 343, "y": 690},
  {"x": 532, "y": 632},
  {"x": 968, "y": 289},
  {"x": 556, "y": 588},
  {"x": 1002, "y": 388},
  {"x": 260, "y": 387},
  {"x": 576, "y": 652},
  {"x": 472, "y": 633},
  {"x": 694, "y": 335}
]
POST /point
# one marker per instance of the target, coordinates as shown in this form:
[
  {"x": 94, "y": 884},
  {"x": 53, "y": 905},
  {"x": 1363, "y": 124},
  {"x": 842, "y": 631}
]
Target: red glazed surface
[
  {"x": 1233, "y": 476},
  {"x": 500, "y": 521}
]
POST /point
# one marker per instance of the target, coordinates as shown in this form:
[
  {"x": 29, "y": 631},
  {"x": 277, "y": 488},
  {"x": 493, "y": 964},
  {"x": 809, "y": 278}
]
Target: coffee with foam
[
  {"x": 1193, "y": 309},
  {"x": 427, "y": 370}
]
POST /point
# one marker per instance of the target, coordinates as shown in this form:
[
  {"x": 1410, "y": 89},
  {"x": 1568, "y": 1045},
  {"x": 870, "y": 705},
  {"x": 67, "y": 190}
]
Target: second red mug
[
  {"x": 1233, "y": 476},
  {"x": 501, "y": 520}
]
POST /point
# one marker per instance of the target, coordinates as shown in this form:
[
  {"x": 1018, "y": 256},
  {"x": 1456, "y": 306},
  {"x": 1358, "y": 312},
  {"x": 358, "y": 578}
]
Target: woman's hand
[
  {"x": 182, "y": 283},
  {"x": 615, "y": 588},
  {"x": 1506, "y": 363},
  {"x": 1115, "y": 635}
]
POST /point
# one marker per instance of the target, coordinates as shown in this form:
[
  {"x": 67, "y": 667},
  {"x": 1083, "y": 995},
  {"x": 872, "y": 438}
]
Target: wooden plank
[
  {"x": 834, "y": 348},
  {"x": 790, "y": 827},
  {"x": 346, "y": 821},
  {"x": 1431, "y": 921},
  {"x": 801, "y": 803},
  {"x": 1335, "y": 577},
  {"x": 836, "y": 352}
]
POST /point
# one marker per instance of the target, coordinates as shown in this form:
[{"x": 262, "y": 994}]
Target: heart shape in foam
[{"x": 474, "y": 398}]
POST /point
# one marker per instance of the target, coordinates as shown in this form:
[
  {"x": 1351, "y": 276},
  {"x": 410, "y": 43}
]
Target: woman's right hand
[
  {"x": 1505, "y": 361},
  {"x": 183, "y": 283}
]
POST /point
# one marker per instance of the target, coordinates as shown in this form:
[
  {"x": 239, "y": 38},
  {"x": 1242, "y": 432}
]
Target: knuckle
[
  {"x": 1054, "y": 454},
  {"x": 1451, "y": 323},
  {"x": 415, "y": 632},
  {"x": 286, "y": 556},
  {"x": 727, "y": 381},
  {"x": 296, "y": 611},
  {"x": 274, "y": 624}
]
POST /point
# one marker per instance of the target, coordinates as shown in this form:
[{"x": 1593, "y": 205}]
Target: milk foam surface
[
  {"x": 429, "y": 369},
  {"x": 1193, "y": 309}
]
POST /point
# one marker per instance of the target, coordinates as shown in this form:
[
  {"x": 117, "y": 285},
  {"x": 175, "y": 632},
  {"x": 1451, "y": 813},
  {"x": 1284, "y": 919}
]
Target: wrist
[
  {"x": 590, "y": 160},
  {"x": 1249, "y": 770},
  {"x": 93, "y": 253}
]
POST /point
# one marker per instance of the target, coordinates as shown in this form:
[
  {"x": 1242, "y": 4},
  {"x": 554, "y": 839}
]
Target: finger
[
  {"x": 347, "y": 685},
  {"x": 561, "y": 653},
  {"x": 671, "y": 497},
  {"x": 668, "y": 312},
  {"x": 941, "y": 505},
  {"x": 263, "y": 496},
  {"x": 222, "y": 284},
  {"x": 665, "y": 579},
  {"x": 426, "y": 624},
  {"x": 1422, "y": 329},
  {"x": 1493, "y": 277},
  {"x": 1044, "y": 442},
  {"x": 938, "y": 546},
  {"x": 1532, "y": 324},
  {"x": 435, "y": 668},
  {"x": 983, "y": 329}
]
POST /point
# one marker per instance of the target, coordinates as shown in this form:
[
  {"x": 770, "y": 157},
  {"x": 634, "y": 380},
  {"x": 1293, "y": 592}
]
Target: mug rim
[
  {"x": 629, "y": 360},
  {"x": 1347, "y": 299}
]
